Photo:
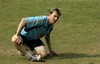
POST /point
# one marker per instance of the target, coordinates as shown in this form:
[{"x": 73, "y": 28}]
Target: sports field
[{"x": 76, "y": 35}]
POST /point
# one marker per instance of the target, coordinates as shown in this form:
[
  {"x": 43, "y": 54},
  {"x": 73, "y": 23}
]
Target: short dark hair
[{"x": 55, "y": 9}]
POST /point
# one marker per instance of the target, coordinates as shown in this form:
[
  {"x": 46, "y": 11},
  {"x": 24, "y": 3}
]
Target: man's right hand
[{"x": 16, "y": 39}]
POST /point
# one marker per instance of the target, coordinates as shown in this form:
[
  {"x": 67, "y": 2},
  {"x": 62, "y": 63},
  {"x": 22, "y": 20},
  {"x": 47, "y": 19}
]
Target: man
[{"x": 29, "y": 32}]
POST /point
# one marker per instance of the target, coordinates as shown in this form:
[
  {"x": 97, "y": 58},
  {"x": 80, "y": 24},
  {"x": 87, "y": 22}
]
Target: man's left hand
[{"x": 53, "y": 53}]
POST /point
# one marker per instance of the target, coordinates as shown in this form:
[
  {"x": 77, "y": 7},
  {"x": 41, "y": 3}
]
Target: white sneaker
[{"x": 36, "y": 58}]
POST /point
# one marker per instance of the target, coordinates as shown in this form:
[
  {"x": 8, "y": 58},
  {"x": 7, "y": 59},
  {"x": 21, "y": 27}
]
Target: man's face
[{"x": 54, "y": 17}]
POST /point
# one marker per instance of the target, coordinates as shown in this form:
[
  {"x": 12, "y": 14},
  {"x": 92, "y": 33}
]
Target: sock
[{"x": 29, "y": 55}]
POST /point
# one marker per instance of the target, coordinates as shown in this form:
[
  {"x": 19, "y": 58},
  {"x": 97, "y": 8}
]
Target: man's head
[{"x": 54, "y": 15}]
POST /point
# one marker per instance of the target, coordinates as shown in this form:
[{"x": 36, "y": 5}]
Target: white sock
[{"x": 29, "y": 55}]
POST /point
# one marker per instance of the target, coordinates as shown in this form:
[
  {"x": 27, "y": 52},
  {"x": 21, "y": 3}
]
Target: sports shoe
[{"x": 36, "y": 58}]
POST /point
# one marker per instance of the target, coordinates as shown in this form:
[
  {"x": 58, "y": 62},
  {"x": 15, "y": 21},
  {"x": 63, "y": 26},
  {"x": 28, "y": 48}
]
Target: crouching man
[{"x": 29, "y": 32}]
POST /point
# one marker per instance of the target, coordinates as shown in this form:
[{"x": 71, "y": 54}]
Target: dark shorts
[{"x": 32, "y": 43}]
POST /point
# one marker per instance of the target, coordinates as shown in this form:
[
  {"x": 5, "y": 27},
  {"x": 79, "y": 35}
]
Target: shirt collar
[{"x": 46, "y": 24}]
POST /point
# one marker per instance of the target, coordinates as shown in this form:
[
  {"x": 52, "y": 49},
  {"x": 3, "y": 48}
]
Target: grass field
[{"x": 76, "y": 36}]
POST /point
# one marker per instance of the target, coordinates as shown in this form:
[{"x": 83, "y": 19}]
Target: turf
[{"x": 76, "y": 36}]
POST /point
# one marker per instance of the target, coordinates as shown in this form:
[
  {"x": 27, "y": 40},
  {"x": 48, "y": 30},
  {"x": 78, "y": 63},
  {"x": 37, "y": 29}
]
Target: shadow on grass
[{"x": 72, "y": 56}]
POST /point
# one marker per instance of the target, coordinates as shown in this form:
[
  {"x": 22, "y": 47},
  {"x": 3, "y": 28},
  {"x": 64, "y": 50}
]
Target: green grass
[{"x": 76, "y": 36}]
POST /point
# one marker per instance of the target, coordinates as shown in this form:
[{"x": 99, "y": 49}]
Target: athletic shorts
[{"x": 31, "y": 43}]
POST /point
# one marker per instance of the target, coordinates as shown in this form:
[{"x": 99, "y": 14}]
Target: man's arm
[
  {"x": 20, "y": 27},
  {"x": 47, "y": 38},
  {"x": 16, "y": 38}
]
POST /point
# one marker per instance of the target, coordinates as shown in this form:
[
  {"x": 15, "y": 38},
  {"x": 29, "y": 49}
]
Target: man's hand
[
  {"x": 17, "y": 39},
  {"x": 53, "y": 53}
]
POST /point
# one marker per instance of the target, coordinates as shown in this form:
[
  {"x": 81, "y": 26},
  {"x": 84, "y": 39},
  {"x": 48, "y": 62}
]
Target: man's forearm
[
  {"x": 20, "y": 27},
  {"x": 47, "y": 38}
]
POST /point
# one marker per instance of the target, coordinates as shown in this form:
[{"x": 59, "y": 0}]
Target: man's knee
[
  {"x": 43, "y": 54},
  {"x": 13, "y": 40}
]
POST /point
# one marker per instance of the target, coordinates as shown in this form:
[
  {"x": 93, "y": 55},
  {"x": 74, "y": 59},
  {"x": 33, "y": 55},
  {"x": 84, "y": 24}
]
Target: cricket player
[{"x": 31, "y": 30}]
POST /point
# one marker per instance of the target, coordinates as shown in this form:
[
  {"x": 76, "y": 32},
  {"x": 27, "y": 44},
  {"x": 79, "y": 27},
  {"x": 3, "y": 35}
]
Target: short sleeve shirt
[{"x": 39, "y": 27}]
